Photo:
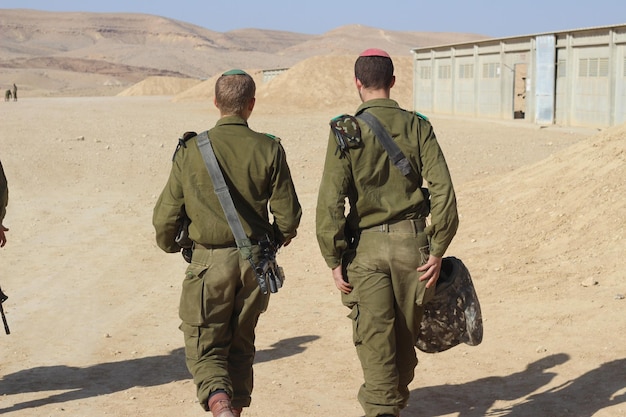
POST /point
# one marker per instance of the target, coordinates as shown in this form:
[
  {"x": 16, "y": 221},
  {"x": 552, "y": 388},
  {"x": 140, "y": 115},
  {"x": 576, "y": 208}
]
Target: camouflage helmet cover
[{"x": 453, "y": 316}]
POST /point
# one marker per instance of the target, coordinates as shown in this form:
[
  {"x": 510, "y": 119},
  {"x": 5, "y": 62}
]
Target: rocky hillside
[{"x": 54, "y": 53}]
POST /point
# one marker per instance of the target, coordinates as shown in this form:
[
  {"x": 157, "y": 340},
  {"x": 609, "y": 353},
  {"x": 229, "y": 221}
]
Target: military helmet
[{"x": 453, "y": 315}]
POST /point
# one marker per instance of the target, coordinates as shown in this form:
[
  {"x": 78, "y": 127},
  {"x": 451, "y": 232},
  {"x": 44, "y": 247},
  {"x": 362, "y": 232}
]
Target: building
[
  {"x": 569, "y": 78},
  {"x": 270, "y": 74}
]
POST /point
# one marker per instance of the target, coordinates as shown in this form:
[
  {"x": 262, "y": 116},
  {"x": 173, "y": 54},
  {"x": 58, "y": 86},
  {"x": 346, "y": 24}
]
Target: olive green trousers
[
  {"x": 220, "y": 306},
  {"x": 386, "y": 310}
]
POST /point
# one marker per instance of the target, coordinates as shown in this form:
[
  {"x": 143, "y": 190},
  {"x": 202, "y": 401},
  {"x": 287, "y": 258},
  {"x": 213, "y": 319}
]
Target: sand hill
[
  {"x": 81, "y": 54},
  {"x": 545, "y": 210},
  {"x": 321, "y": 83},
  {"x": 160, "y": 86}
]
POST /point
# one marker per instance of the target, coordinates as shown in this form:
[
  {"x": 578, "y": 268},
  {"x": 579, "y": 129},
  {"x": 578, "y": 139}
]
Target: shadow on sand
[
  {"x": 106, "y": 378},
  {"x": 581, "y": 397}
]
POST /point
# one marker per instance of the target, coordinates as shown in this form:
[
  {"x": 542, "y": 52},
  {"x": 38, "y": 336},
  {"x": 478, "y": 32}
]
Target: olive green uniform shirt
[
  {"x": 377, "y": 191},
  {"x": 4, "y": 194},
  {"x": 256, "y": 172}
]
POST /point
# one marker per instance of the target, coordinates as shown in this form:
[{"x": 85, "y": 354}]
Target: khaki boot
[{"x": 219, "y": 404}]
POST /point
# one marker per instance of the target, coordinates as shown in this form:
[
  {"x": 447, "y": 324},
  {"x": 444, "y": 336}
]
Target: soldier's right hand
[{"x": 341, "y": 284}]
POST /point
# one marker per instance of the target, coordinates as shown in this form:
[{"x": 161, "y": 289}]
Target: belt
[
  {"x": 402, "y": 226},
  {"x": 197, "y": 245},
  {"x": 223, "y": 246}
]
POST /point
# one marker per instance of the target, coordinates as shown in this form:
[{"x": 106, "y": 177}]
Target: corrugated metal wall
[{"x": 572, "y": 78}]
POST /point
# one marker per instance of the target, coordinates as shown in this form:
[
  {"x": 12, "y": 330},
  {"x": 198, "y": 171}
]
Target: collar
[
  {"x": 232, "y": 120},
  {"x": 378, "y": 102}
]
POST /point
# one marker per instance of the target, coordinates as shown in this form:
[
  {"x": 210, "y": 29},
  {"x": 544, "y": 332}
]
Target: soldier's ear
[{"x": 358, "y": 83}]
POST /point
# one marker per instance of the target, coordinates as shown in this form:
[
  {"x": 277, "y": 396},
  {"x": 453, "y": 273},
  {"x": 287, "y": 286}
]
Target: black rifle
[
  {"x": 3, "y": 298},
  {"x": 182, "y": 237}
]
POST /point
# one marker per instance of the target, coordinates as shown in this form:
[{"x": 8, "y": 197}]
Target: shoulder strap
[
  {"x": 395, "y": 154},
  {"x": 182, "y": 141},
  {"x": 221, "y": 189}
]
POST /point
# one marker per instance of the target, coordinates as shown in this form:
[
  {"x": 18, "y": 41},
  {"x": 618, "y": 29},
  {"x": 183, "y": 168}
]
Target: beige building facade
[{"x": 569, "y": 78}]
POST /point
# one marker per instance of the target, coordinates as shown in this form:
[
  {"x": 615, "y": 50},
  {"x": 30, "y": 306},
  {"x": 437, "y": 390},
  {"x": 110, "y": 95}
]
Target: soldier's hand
[
  {"x": 431, "y": 270},
  {"x": 3, "y": 238},
  {"x": 341, "y": 284}
]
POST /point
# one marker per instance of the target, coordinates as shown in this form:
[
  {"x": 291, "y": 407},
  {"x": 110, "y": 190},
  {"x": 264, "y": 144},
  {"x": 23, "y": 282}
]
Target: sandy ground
[{"x": 93, "y": 302}]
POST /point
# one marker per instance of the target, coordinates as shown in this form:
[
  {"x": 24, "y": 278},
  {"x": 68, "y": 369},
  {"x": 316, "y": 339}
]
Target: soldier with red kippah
[{"x": 384, "y": 257}]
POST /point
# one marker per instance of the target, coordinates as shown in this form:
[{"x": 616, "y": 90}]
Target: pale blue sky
[{"x": 497, "y": 18}]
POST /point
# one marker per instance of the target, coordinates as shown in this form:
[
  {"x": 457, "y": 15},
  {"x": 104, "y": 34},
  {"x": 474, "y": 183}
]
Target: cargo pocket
[
  {"x": 355, "y": 317},
  {"x": 424, "y": 254},
  {"x": 264, "y": 303},
  {"x": 423, "y": 294},
  {"x": 191, "y": 297},
  {"x": 192, "y": 340}
]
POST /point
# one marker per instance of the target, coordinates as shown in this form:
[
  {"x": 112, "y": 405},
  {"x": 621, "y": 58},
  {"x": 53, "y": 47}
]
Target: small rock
[
  {"x": 619, "y": 296},
  {"x": 589, "y": 282}
]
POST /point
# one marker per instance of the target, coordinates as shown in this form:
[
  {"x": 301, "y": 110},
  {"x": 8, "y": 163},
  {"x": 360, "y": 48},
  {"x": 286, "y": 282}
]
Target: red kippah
[{"x": 375, "y": 52}]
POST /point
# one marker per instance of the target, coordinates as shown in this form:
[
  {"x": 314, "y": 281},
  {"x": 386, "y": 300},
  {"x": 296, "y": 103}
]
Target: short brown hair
[
  {"x": 234, "y": 92},
  {"x": 374, "y": 71}
]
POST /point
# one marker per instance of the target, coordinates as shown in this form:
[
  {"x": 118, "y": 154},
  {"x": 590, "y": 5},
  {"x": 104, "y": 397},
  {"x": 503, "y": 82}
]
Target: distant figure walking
[
  {"x": 14, "y": 92},
  {"x": 7, "y": 95}
]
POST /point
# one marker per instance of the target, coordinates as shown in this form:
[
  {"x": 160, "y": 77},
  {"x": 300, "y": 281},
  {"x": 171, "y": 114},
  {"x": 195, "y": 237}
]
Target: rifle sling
[
  {"x": 223, "y": 194},
  {"x": 394, "y": 152}
]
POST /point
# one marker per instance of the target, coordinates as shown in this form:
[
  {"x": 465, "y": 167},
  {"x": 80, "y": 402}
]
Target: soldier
[
  {"x": 384, "y": 259},
  {"x": 14, "y": 92},
  {"x": 221, "y": 300},
  {"x": 4, "y": 201},
  {"x": 8, "y": 95}
]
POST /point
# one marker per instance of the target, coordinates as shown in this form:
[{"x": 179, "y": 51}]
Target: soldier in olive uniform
[
  {"x": 4, "y": 200},
  {"x": 385, "y": 260},
  {"x": 221, "y": 300}
]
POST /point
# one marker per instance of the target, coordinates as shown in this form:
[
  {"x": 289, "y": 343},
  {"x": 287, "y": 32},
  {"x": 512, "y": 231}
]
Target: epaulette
[
  {"x": 421, "y": 116},
  {"x": 276, "y": 138},
  {"x": 347, "y": 133},
  {"x": 182, "y": 141}
]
